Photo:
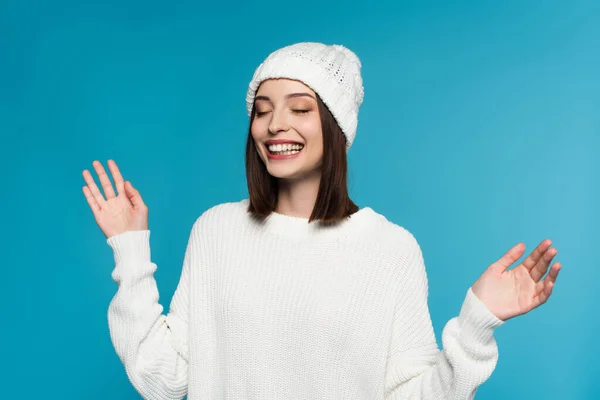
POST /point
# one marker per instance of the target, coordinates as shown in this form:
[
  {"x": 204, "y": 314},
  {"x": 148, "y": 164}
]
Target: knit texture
[
  {"x": 283, "y": 309},
  {"x": 332, "y": 71}
]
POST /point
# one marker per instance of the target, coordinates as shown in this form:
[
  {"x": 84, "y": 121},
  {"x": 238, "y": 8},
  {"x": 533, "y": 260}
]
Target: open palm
[
  {"x": 119, "y": 212},
  {"x": 509, "y": 293}
]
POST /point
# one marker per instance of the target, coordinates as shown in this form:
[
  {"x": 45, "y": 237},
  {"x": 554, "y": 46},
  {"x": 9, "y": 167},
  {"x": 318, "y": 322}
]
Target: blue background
[{"x": 480, "y": 128}]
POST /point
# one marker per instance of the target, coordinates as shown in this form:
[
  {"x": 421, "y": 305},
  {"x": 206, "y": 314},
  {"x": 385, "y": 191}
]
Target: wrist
[{"x": 131, "y": 245}]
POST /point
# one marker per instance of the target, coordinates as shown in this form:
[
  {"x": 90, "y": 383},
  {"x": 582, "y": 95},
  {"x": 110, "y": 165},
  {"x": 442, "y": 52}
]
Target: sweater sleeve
[
  {"x": 417, "y": 368},
  {"x": 152, "y": 346}
]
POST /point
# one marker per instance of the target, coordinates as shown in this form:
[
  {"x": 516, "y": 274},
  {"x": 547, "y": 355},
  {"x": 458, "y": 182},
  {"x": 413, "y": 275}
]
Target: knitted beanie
[{"x": 331, "y": 71}]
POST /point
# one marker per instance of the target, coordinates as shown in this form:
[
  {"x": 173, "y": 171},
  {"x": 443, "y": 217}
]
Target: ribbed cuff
[
  {"x": 131, "y": 245},
  {"x": 476, "y": 320}
]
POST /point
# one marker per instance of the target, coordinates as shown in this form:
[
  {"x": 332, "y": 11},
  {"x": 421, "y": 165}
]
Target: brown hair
[{"x": 333, "y": 203}]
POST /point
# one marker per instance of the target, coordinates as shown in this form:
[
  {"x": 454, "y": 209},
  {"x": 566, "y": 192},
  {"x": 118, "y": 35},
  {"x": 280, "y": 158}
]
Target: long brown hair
[{"x": 333, "y": 203}]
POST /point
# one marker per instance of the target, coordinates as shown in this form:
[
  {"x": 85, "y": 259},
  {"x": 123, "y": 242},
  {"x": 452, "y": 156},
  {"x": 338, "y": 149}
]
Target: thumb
[{"x": 134, "y": 195}]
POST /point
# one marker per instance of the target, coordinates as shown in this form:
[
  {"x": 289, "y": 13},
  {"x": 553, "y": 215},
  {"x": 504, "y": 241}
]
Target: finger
[
  {"x": 544, "y": 288},
  {"x": 89, "y": 180},
  {"x": 552, "y": 275},
  {"x": 536, "y": 254},
  {"x": 91, "y": 200},
  {"x": 544, "y": 295},
  {"x": 134, "y": 196},
  {"x": 509, "y": 257},
  {"x": 540, "y": 269},
  {"x": 117, "y": 177},
  {"x": 104, "y": 180}
]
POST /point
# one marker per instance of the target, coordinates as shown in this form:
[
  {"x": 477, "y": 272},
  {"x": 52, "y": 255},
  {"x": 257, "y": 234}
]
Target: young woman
[{"x": 295, "y": 292}]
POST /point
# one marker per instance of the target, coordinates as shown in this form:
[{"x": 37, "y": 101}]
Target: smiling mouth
[{"x": 285, "y": 149}]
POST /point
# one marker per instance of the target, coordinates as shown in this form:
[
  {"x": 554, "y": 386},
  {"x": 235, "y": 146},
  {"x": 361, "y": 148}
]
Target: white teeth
[{"x": 288, "y": 147}]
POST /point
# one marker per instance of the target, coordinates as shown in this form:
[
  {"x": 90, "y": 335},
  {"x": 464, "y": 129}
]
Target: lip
[
  {"x": 282, "y": 156},
  {"x": 281, "y": 141}
]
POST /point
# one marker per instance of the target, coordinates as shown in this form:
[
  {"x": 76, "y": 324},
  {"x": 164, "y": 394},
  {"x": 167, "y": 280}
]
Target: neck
[{"x": 296, "y": 198}]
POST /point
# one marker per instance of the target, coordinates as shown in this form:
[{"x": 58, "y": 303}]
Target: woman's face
[{"x": 287, "y": 129}]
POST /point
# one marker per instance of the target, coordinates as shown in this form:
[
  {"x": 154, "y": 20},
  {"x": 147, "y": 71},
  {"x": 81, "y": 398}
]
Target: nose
[{"x": 278, "y": 122}]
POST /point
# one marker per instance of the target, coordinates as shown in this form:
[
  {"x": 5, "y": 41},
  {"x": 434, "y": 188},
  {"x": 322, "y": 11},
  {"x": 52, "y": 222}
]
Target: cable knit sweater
[{"x": 283, "y": 309}]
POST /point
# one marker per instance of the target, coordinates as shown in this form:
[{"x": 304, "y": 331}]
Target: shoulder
[
  {"x": 222, "y": 214},
  {"x": 394, "y": 244},
  {"x": 402, "y": 252},
  {"x": 391, "y": 232}
]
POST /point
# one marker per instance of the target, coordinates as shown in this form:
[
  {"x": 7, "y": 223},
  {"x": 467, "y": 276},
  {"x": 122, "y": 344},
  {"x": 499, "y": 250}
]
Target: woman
[{"x": 296, "y": 293}]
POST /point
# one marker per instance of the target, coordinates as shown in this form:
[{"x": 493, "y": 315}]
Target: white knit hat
[{"x": 332, "y": 71}]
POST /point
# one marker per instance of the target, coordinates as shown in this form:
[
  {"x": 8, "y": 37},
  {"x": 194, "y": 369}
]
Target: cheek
[
  {"x": 257, "y": 136},
  {"x": 315, "y": 136},
  {"x": 311, "y": 129},
  {"x": 255, "y": 130}
]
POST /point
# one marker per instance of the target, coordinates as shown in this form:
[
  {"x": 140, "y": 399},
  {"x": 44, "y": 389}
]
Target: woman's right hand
[{"x": 118, "y": 213}]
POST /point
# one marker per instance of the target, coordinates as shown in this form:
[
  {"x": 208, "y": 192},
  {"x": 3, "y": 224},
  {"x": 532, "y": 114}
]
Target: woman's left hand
[{"x": 509, "y": 293}]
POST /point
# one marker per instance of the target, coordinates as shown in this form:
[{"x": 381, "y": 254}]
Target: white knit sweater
[{"x": 283, "y": 309}]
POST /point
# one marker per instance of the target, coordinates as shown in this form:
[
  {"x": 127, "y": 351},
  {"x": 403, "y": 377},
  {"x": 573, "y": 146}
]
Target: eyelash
[{"x": 260, "y": 114}]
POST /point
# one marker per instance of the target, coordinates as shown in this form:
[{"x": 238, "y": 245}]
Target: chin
[
  {"x": 285, "y": 173},
  {"x": 295, "y": 169}
]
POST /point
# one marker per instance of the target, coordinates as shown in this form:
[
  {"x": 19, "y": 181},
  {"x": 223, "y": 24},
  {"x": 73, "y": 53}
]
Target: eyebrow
[{"x": 287, "y": 96}]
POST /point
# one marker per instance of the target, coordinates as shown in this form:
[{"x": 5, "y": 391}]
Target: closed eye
[{"x": 301, "y": 111}]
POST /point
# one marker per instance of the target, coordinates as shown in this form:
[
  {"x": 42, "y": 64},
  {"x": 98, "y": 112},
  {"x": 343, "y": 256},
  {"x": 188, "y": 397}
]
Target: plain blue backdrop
[{"x": 480, "y": 128}]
